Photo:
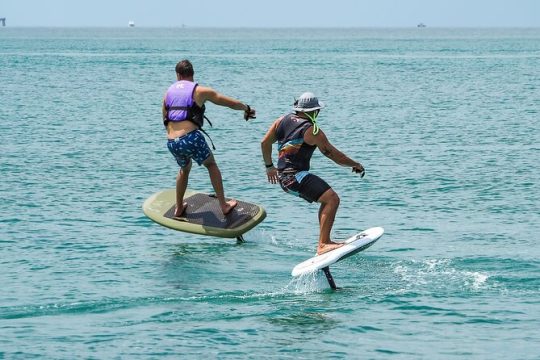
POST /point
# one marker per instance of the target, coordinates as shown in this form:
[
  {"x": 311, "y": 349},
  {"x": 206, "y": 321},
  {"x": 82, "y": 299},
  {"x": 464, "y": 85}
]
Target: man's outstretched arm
[
  {"x": 330, "y": 151},
  {"x": 209, "y": 94}
]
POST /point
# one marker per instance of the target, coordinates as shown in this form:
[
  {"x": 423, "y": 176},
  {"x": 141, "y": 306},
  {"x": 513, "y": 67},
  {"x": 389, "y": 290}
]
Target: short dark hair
[{"x": 184, "y": 68}]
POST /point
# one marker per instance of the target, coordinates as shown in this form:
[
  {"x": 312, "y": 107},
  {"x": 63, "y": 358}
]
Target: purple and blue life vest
[{"x": 181, "y": 106}]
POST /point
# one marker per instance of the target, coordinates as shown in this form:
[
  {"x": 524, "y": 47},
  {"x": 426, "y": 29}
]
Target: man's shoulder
[
  {"x": 204, "y": 91},
  {"x": 291, "y": 117},
  {"x": 172, "y": 85},
  {"x": 202, "y": 94},
  {"x": 199, "y": 87},
  {"x": 281, "y": 120},
  {"x": 315, "y": 139}
]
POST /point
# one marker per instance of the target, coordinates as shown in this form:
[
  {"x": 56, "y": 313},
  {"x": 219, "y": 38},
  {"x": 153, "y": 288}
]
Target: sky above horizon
[{"x": 275, "y": 13}]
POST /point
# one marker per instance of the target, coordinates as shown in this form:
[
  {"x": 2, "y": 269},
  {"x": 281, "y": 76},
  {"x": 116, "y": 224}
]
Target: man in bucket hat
[{"x": 298, "y": 135}]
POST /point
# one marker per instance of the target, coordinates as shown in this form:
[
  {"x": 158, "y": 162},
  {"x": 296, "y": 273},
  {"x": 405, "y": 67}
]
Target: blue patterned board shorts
[{"x": 190, "y": 146}]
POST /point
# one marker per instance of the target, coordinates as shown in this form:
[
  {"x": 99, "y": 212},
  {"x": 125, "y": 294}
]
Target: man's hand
[
  {"x": 272, "y": 175},
  {"x": 359, "y": 169},
  {"x": 249, "y": 113}
]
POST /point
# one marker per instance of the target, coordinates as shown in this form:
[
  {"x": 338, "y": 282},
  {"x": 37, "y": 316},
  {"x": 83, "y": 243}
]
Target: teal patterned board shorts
[{"x": 193, "y": 145}]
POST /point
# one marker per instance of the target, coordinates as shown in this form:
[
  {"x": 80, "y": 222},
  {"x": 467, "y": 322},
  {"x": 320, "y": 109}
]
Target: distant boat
[
  {"x": 421, "y": 25},
  {"x": 3, "y": 21},
  {"x": 131, "y": 23}
]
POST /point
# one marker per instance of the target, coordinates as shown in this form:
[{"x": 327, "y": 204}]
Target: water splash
[
  {"x": 440, "y": 274},
  {"x": 307, "y": 283}
]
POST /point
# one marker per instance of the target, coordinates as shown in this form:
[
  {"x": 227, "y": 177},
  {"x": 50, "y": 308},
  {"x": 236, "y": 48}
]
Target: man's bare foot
[
  {"x": 178, "y": 212},
  {"x": 324, "y": 248},
  {"x": 229, "y": 205}
]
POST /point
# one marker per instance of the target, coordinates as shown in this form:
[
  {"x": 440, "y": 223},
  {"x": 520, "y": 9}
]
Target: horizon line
[{"x": 283, "y": 27}]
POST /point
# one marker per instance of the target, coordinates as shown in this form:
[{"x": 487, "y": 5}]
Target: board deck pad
[
  {"x": 203, "y": 214},
  {"x": 204, "y": 209}
]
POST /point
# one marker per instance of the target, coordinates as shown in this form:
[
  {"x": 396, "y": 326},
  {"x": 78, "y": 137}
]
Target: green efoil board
[{"x": 203, "y": 214}]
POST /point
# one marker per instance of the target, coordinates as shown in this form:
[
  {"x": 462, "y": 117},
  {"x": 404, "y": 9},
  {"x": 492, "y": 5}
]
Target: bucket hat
[{"x": 307, "y": 102}]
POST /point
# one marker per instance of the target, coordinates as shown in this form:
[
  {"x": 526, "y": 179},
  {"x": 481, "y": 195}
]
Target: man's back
[{"x": 294, "y": 152}]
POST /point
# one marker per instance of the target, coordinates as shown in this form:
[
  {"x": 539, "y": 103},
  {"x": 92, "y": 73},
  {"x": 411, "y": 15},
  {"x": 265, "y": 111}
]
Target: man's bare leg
[
  {"x": 217, "y": 183},
  {"x": 181, "y": 186},
  {"x": 327, "y": 213}
]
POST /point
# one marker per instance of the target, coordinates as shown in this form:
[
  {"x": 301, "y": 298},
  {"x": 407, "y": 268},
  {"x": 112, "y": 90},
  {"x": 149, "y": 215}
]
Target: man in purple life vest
[
  {"x": 183, "y": 116},
  {"x": 298, "y": 135}
]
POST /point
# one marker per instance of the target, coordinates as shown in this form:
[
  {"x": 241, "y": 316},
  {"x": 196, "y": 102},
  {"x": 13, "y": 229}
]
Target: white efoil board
[{"x": 353, "y": 245}]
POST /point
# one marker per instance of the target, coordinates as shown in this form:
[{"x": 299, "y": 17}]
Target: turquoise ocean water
[{"x": 445, "y": 121}]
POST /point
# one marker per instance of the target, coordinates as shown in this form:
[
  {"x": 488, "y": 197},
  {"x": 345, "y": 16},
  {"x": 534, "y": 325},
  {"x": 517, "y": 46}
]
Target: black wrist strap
[
  {"x": 247, "y": 113},
  {"x": 269, "y": 166}
]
